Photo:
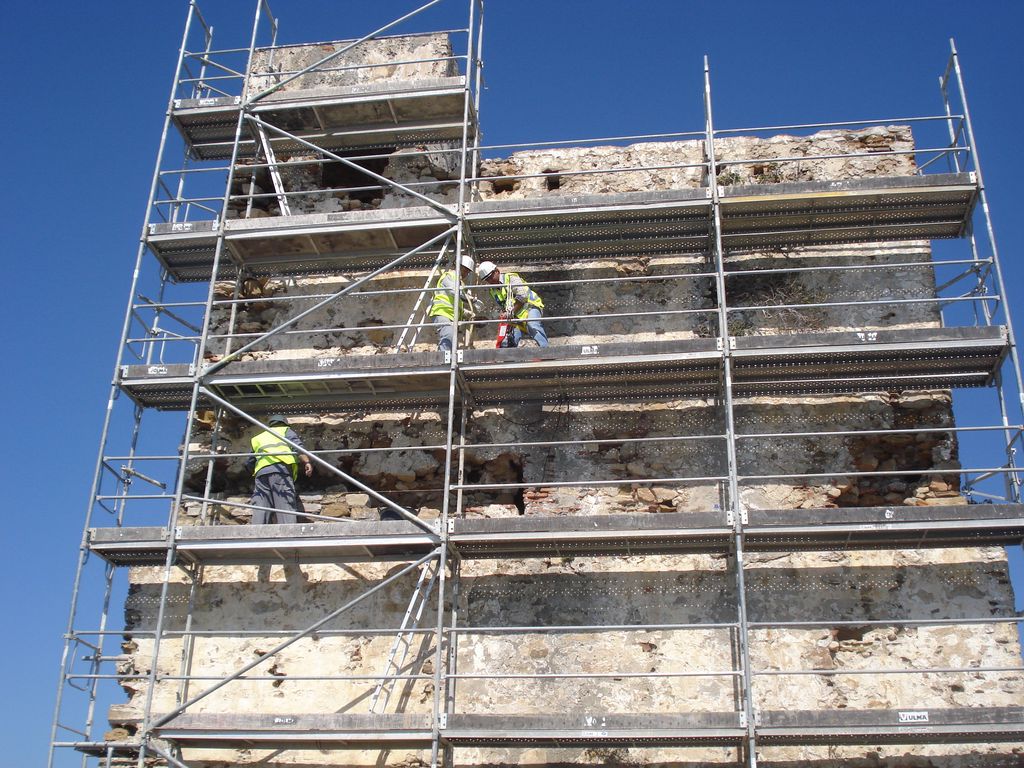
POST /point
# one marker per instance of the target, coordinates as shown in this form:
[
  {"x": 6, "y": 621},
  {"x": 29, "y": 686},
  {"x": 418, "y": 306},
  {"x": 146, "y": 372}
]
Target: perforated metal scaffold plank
[
  {"x": 594, "y": 730},
  {"x": 591, "y": 226},
  {"x": 892, "y": 726},
  {"x": 572, "y": 536},
  {"x": 117, "y": 749},
  {"x": 896, "y": 527},
  {"x": 857, "y": 361},
  {"x": 387, "y": 539},
  {"x": 239, "y": 544},
  {"x": 394, "y": 113},
  {"x": 753, "y": 216},
  {"x": 619, "y": 371},
  {"x": 298, "y": 731},
  {"x": 362, "y": 731},
  {"x": 348, "y": 242},
  {"x": 588, "y": 227},
  {"x": 953, "y": 725},
  {"x": 792, "y": 364},
  {"x": 797, "y": 214},
  {"x": 407, "y": 380}
]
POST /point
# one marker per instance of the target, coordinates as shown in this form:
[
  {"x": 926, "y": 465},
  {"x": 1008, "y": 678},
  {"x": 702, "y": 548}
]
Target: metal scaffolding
[{"x": 223, "y": 218}]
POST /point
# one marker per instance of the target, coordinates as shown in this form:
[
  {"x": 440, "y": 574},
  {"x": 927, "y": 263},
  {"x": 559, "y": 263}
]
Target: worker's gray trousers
[
  {"x": 276, "y": 490},
  {"x": 445, "y": 333}
]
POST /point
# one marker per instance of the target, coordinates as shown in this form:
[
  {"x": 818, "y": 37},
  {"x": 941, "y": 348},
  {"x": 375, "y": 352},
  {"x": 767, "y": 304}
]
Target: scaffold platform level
[
  {"x": 897, "y": 527},
  {"x": 618, "y": 371},
  {"x": 792, "y": 214},
  {"x": 102, "y": 748},
  {"x": 848, "y": 361},
  {"x": 858, "y": 361},
  {"x": 591, "y": 226},
  {"x": 776, "y": 728},
  {"x": 411, "y": 379},
  {"x": 339, "y": 731},
  {"x": 348, "y": 540},
  {"x": 594, "y": 730},
  {"x": 165, "y": 387},
  {"x": 301, "y": 244},
  {"x": 964, "y": 725},
  {"x": 185, "y": 248},
  {"x": 579, "y": 536},
  {"x": 689, "y": 366},
  {"x": 399, "y": 539},
  {"x": 571, "y": 536},
  {"x": 386, "y": 114},
  {"x": 583, "y": 228},
  {"x": 298, "y": 731},
  {"x": 774, "y": 215}
]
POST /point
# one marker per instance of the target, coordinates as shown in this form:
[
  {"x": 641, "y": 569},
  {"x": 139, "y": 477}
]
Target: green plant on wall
[
  {"x": 728, "y": 177},
  {"x": 767, "y": 173}
]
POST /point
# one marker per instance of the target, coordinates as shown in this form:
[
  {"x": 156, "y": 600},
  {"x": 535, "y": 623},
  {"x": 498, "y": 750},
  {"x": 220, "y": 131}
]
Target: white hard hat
[
  {"x": 486, "y": 269},
  {"x": 467, "y": 262}
]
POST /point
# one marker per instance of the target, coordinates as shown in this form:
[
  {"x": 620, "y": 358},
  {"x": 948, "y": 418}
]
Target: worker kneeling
[{"x": 518, "y": 302}]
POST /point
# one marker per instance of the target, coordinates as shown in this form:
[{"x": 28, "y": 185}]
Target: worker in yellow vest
[
  {"x": 442, "y": 308},
  {"x": 518, "y": 303},
  {"x": 275, "y": 467}
]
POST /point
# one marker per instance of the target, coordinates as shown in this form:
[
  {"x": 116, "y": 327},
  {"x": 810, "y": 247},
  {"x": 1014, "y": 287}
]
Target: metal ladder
[
  {"x": 421, "y": 306},
  {"x": 275, "y": 173},
  {"x": 404, "y": 639}
]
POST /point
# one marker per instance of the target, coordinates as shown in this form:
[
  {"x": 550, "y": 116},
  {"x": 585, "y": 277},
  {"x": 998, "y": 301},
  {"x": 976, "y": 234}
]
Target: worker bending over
[
  {"x": 275, "y": 466},
  {"x": 442, "y": 310},
  {"x": 518, "y": 302}
]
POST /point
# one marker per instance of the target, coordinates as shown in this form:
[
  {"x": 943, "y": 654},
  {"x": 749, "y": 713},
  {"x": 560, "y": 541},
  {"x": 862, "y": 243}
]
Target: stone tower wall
[{"x": 635, "y": 666}]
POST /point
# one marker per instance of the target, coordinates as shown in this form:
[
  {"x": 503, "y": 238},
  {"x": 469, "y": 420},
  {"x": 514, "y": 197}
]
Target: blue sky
[{"x": 85, "y": 91}]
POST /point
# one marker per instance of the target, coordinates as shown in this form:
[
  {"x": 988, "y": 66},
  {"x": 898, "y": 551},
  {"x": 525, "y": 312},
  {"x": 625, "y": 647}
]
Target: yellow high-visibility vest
[
  {"x": 271, "y": 449},
  {"x": 443, "y": 304},
  {"x": 501, "y": 295}
]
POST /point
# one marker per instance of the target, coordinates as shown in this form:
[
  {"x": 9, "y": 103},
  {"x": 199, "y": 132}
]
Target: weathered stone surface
[
  {"x": 668, "y": 590},
  {"x": 629, "y": 169},
  {"x": 373, "y": 62}
]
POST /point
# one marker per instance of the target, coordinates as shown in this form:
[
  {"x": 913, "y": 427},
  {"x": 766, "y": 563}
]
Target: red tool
[{"x": 503, "y": 329}]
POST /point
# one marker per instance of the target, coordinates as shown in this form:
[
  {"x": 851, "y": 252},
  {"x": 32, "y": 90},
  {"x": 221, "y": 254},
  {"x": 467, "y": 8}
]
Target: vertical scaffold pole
[
  {"x": 452, "y": 651},
  {"x": 1013, "y": 478},
  {"x": 83, "y": 548},
  {"x": 147, "y": 716},
  {"x": 734, "y": 502},
  {"x": 954, "y": 138},
  {"x": 478, "y": 70},
  {"x": 439, "y": 720}
]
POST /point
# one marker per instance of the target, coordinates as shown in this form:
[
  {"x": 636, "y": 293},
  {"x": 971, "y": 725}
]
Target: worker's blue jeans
[{"x": 534, "y": 327}]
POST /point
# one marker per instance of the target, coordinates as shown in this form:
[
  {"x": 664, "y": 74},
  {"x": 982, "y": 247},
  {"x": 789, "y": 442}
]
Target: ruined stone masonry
[{"x": 622, "y": 458}]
